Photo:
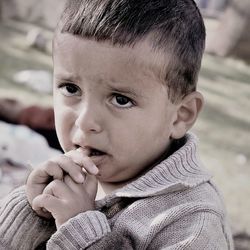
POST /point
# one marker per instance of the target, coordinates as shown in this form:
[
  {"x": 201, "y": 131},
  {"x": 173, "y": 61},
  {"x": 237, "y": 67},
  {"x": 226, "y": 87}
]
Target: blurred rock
[
  {"x": 38, "y": 80},
  {"x": 242, "y": 241},
  {"x": 232, "y": 37},
  {"x": 44, "y": 13},
  {"x": 212, "y": 5},
  {"x": 21, "y": 145},
  {"x": 36, "y": 39},
  {"x": 241, "y": 159}
]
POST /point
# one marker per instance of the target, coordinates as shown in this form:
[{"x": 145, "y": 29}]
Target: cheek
[
  {"x": 132, "y": 138},
  {"x": 157, "y": 125},
  {"x": 150, "y": 136},
  {"x": 63, "y": 123}
]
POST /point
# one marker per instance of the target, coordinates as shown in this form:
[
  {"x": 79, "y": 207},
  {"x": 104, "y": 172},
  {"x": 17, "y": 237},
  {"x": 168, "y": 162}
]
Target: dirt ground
[{"x": 223, "y": 127}]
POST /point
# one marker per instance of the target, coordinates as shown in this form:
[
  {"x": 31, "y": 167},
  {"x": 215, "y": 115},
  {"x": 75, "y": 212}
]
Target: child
[{"x": 125, "y": 96}]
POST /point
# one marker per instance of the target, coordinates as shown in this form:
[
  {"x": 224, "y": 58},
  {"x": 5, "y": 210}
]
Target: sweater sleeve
[
  {"x": 80, "y": 232},
  {"x": 20, "y": 227}
]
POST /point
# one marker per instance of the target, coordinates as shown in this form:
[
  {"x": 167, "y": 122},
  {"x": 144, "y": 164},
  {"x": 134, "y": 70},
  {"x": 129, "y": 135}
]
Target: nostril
[{"x": 87, "y": 123}]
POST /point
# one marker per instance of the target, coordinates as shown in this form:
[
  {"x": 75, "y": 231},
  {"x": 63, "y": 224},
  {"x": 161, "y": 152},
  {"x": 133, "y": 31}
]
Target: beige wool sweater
[{"x": 173, "y": 206}]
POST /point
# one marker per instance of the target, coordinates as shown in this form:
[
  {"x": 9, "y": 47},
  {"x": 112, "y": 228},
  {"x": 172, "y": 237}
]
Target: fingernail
[
  {"x": 95, "y": 170},
  {"x": 44, "y": 210},
  {"x": 84, "y": 151}
]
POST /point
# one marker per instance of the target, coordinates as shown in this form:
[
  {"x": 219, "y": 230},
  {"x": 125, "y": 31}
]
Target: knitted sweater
[{"x": 173, "y": 206}]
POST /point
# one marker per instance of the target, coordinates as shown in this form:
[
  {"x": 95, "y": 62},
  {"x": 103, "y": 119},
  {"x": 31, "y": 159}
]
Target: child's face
[{"x": 109, "y": 98}]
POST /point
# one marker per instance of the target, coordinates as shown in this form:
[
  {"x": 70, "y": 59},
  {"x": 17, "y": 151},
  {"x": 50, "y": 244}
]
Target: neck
[{"x": 105, "y": 188}]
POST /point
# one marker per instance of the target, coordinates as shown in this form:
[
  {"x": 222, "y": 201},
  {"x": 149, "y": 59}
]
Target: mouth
[
  {"x": 97, "y": 156},
  {"x": 96, "y": 152}
]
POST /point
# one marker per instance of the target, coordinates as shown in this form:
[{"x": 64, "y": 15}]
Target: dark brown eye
[
  {"x": 70, "y": 89},
  {"x": 121, "y": 101}
]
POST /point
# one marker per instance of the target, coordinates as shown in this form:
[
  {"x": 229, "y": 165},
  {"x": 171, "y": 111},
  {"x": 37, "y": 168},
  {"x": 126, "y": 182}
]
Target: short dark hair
[{"x": 177, "y": 26}]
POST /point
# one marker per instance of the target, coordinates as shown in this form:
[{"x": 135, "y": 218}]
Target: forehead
[{"x": 75, "y": 54}]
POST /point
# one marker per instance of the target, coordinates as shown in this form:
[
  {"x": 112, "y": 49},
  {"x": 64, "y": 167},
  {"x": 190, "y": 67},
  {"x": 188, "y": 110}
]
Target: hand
[
  {"x": 72, "y": 163},
  {"x": 65, "y": 199}
]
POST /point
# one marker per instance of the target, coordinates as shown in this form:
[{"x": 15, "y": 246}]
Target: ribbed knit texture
[
  {"x": 179, "y": 171},
  {"x": 20, "y": 227},
  {"x": 80, "y": 231},
  {"x": 173, "y": 206}
]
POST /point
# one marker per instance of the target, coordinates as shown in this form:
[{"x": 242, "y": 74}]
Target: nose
[{"x": 88, "y": 119}]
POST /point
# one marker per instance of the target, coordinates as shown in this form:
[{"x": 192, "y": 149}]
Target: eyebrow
[
  {"x": 124, "y": 90},
  {"x": 67, "y": 77}
]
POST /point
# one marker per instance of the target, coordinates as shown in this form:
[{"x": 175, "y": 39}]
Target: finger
[
  {"x": 90, "y": 185},
  {"x": 75, "y": 187},
  {"x": 89, "y": 166},
  {"x": 58, "y": 189},
  {"x": 44, "y": 213},
  {"x": 80, "y": 157},
  {"x": 84, "y": 151},
  {"x": 49, "y": 202},
  {"x": 70, "y": 167},
  {"x": 43, "y": 173}
]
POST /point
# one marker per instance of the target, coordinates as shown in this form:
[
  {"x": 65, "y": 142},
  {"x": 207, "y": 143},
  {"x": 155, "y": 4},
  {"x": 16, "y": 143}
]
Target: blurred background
[{"x": 26, "y": 30}]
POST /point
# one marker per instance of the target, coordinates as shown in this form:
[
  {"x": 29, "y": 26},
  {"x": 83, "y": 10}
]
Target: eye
[
  {"x": 69, "y": 89},
  {"x": 121, "y": 101}
]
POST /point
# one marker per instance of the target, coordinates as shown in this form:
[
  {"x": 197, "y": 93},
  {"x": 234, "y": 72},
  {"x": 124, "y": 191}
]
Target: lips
[{"x": 97, "y": 155}]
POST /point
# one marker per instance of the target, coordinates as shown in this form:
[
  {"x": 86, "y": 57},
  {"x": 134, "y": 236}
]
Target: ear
[{"x": 187, "y": 113}]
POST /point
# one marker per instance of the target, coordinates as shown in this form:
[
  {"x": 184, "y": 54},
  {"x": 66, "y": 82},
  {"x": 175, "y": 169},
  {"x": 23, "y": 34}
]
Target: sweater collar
[{"x": 181, "y": 170}]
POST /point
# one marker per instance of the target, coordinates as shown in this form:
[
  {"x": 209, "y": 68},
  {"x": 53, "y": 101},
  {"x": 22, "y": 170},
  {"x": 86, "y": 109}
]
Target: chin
[{"x": 106, "y": 179}]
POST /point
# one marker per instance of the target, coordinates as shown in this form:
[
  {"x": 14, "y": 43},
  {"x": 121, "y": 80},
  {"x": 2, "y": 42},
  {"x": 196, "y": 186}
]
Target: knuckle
[
  {"x": 49, "y": 165},
  {"x": 52, "y": 186},
  {"x": 55, "y": 183},
  {"x": 46, "y": 198},
  {"x": 30, "y": 178},
  {"x": 52, "y": 168},
  {"x": 65, "y": 157},
  {"x": 73, "y": 169},
  {"x": 67, "y": 178}
]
